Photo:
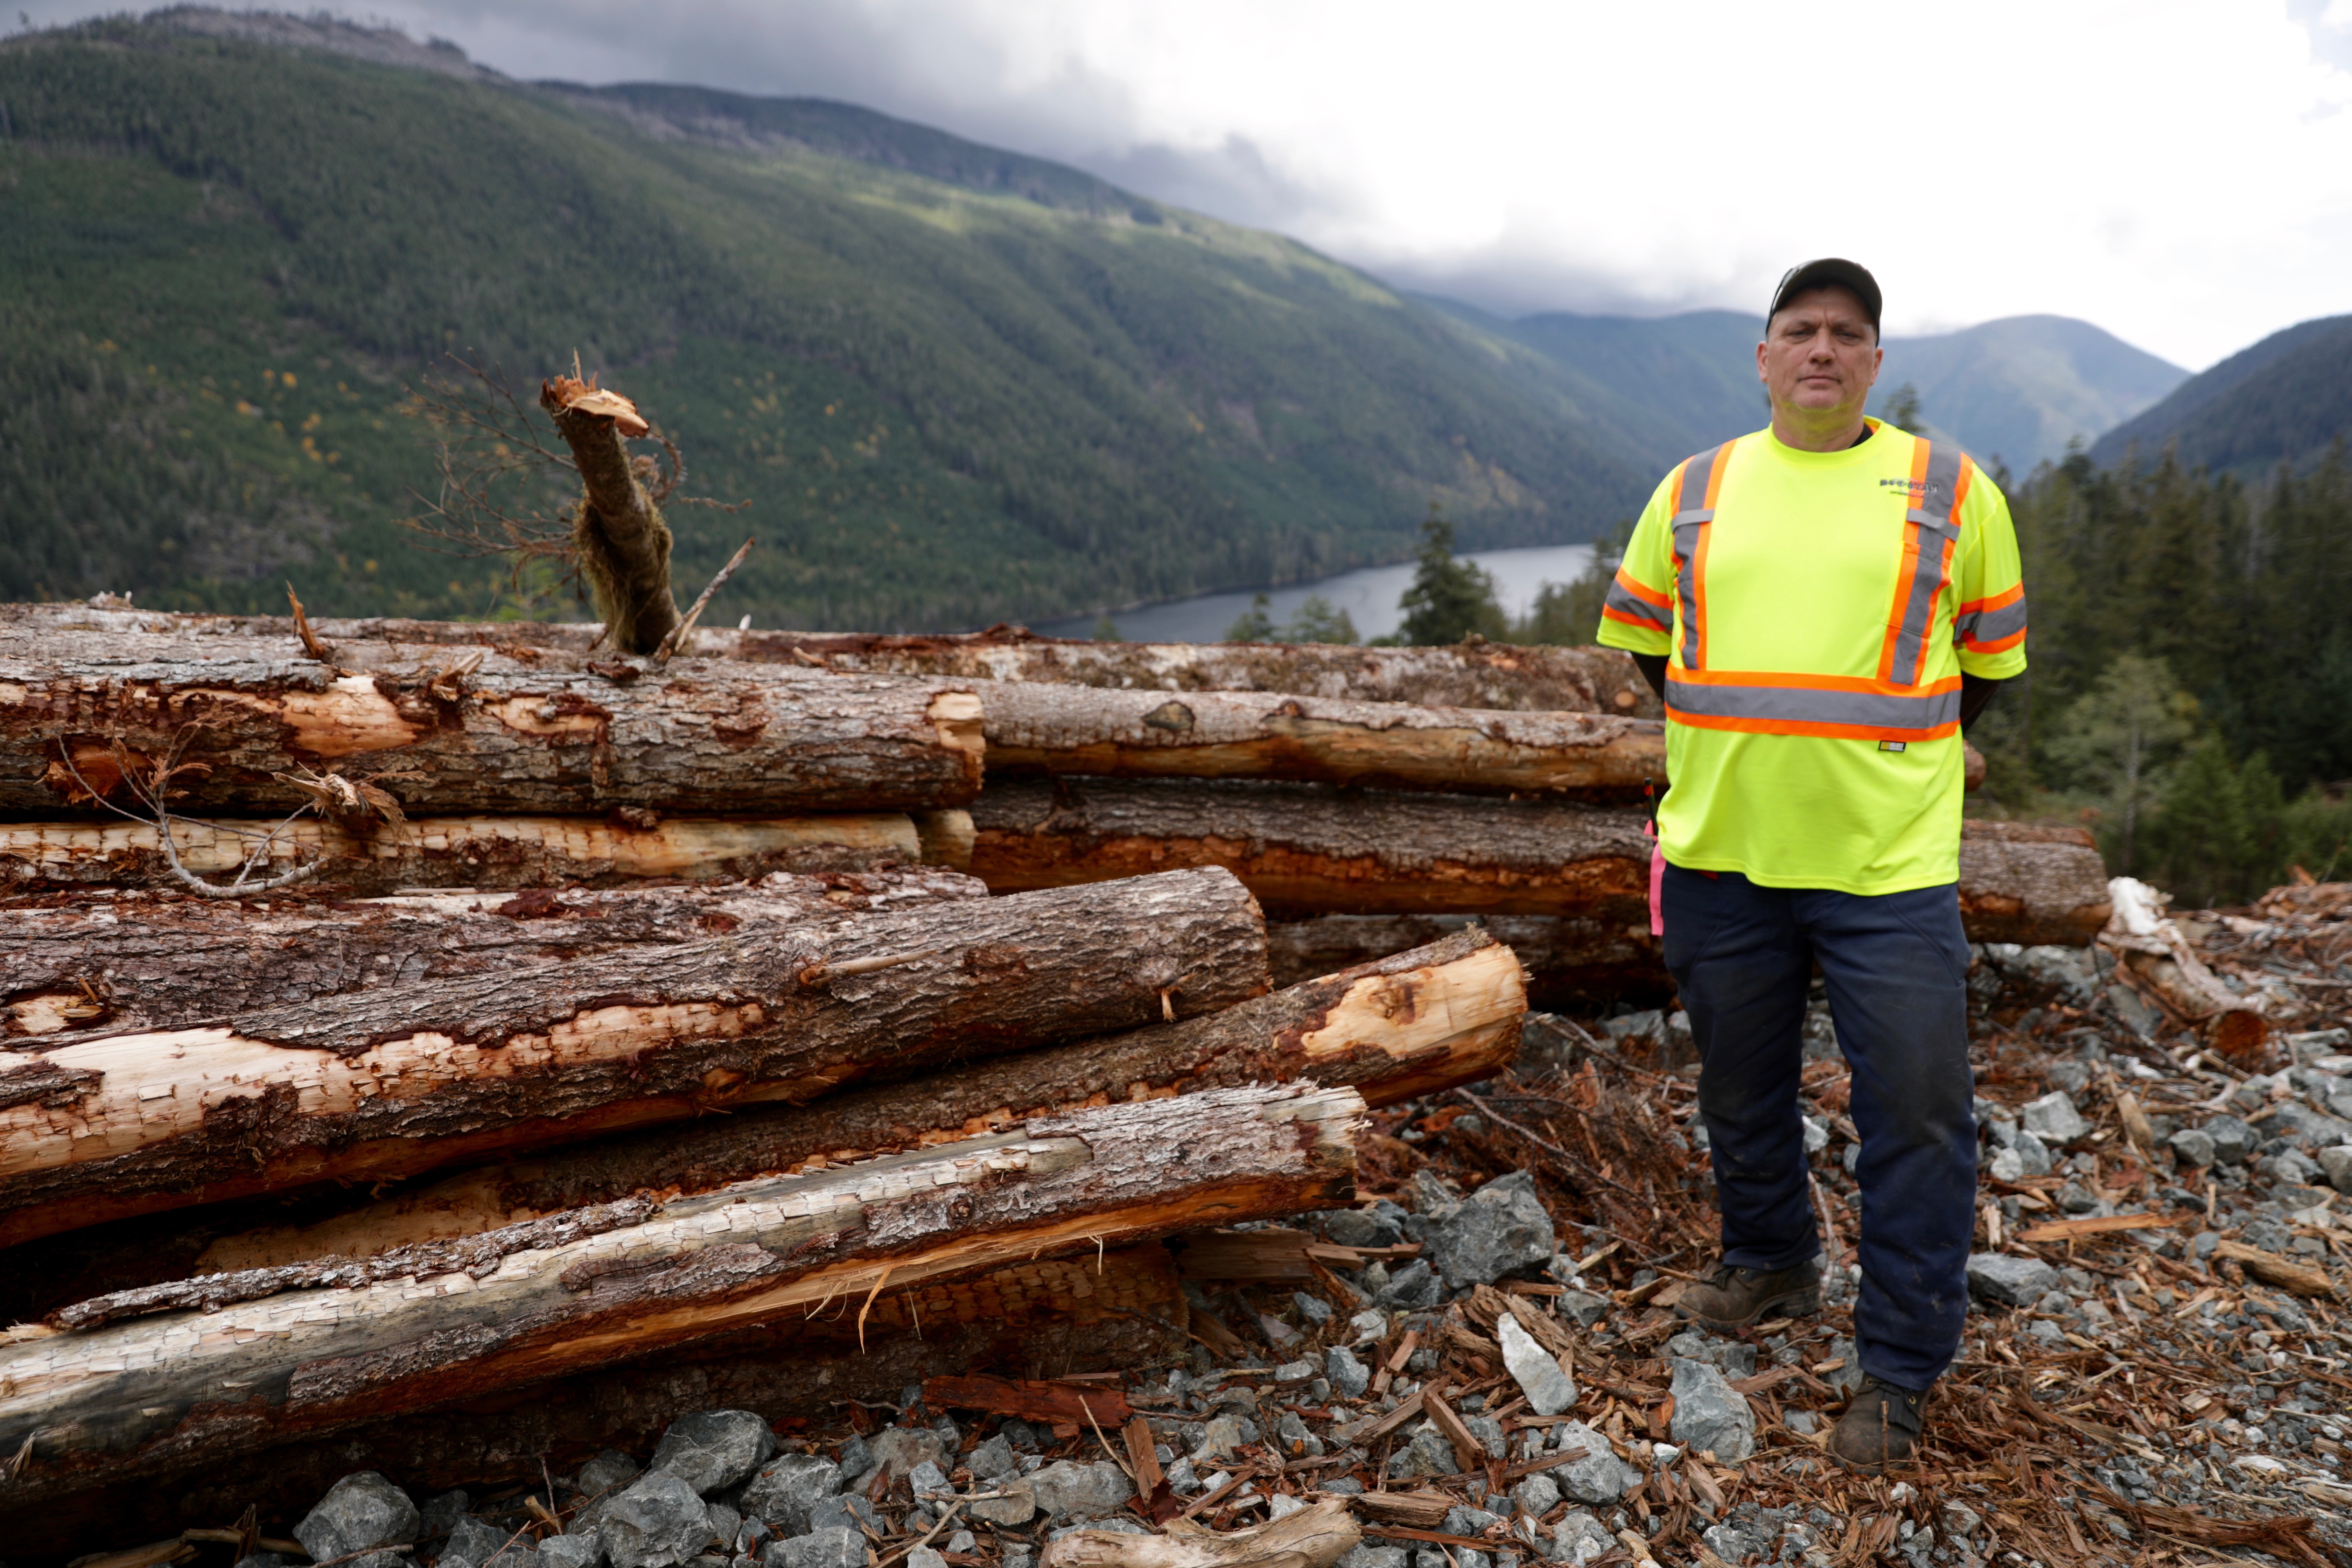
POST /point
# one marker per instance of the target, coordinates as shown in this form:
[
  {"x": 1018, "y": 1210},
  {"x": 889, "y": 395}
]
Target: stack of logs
[
  {"x": 1372, "y": 798},
  {"x": 704, "y": 1032}
]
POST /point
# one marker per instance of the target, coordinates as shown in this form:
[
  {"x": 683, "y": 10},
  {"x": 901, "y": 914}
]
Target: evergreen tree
[
  {"x": 2119, "y": 739},
  {"x": 2215, "y": 837},
  {"x": 1558, "y": 617},
  {"x": 1317, "y": 621},
  {"x": 1449, "y": 599},
  {"x": 1107, "y": 630},
  {"x": 2315, "y": 836},
  {"x": 1253, "y": 625},
  {"x": 1902, "y": 408},
  {"x": 1568, "y": 614}
]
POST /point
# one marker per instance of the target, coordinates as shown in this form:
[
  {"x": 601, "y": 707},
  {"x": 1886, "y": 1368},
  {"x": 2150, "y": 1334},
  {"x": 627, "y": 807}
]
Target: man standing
[{"x": 1823, "y": 604}]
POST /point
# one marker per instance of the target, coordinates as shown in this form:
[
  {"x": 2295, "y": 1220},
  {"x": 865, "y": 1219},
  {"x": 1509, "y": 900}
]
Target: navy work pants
[{"x": 1897, "y": 966}]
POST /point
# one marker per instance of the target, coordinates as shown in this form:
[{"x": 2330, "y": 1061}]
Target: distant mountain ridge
[
  {"x": 2015, "y": 390},
  {"x": 2021, "y": 388},
  {"x": 2285, "y": 400},
  {"x": 740, "y": 122}
]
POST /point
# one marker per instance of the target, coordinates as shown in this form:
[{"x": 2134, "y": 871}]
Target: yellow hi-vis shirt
[{"x": 1819, "y": 608}]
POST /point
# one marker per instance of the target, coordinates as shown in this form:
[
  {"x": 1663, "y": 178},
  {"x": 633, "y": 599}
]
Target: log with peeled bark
[
  {"x": 1114, "y": 732},
  {"x": 1051, "y": 1317},
  {"x": 1308, "y": 849},
  {"x": 1570, "y": 960},
  {"x": 139, "y": 962},
  {"x": 1407, "y": 1024},
  {"x": 1092, "y": 730},
  {"x": 395, "y": 1081},
  {"x": 483, "y": 852},
  {"x": 135, "y": 1396},
  {"x": 1466, "y": 675},
  {"x": 471, "y": 731},
  {"x": 1315, "y": 1536}
]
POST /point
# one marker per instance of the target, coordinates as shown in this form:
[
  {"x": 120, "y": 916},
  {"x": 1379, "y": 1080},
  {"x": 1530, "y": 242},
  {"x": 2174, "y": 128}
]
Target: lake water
[{"x": 1369, "y": 594}]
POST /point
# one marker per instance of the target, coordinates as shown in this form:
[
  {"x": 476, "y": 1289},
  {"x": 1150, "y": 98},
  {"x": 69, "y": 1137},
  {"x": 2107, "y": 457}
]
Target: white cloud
[{"x": 2176, "y": 171}]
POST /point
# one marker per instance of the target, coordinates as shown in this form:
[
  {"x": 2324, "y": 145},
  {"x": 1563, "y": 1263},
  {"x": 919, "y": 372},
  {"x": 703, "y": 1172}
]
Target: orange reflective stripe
[
  {"x": 1690, "y": 531},
  {"x": 1991, "y": 625},
  {"x": 1634, "y": 603},
  {"x": 1698, "y": 595},
  {"x": 1796, "y": 681},
  {"x": 1778, "y": 703},
  {"x": 1939, "y": 483},
  {"x": 1824, "y": 730}
]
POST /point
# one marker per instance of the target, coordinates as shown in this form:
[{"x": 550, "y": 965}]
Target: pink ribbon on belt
[{"x": 1657, "y": 881}]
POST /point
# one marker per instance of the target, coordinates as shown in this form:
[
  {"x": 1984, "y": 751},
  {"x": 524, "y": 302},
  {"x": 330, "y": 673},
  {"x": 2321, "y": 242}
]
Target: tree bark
[
  {"x": 488, "y": 853},
  {"x": 1571, "y": 962},
  {"x": 136, "y": 1397},
  {"x": 521, "y": 731},
  {"x": 1306, "y": 849},
  {"x": 393, "y": 1081},
  {"x": 1112, "y": 1310},
  {"x": 1467, "y": 675},
  {"x": 1263, "y": 735},
  {"x": 1406, "y": 1025},
  {"x": 2019, "y": 884},
  {"x": 2032, "y": 884},
  {"x": 144, "y": 962}
]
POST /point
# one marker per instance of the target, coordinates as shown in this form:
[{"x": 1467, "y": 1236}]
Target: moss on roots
[{"x": 629, "y": 584}]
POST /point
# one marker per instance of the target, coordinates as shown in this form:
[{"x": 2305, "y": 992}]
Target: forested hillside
[
  {"x": 2285, "y": 400},
  {"x": 953, "y": 384}
]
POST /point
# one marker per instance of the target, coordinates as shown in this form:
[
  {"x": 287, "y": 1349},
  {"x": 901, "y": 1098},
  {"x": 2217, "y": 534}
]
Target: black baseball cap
[{"x": 1830, "y": 271}]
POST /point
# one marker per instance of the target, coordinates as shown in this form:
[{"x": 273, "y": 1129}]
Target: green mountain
[
  {"x": 1666, "y": 386},
  {"x": 953, "y": 384},
  {"x": 2017, "y": 390},
  {"x": 2285, "y": 400}
]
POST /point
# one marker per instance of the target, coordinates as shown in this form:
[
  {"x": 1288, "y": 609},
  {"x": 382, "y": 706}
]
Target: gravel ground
[{"x": 1502, "y": 1378}]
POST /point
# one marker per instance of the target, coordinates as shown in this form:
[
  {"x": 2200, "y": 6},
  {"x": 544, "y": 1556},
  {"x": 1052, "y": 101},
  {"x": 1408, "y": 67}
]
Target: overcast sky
[{"x": 2179, "y": 172}]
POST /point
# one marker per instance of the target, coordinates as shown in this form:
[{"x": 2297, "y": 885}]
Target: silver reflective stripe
[
  {"x": 1871, "y": 710},
  {"x": 1991, "y": 625},
  {"x": 1694, "y": 508},
  {"x": 1937, "y": 523},
  {"x": 1693, "y": 514},
  {"x": 1639, "y": 609}
]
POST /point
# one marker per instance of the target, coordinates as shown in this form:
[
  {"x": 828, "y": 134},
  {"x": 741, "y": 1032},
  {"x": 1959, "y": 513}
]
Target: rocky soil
[{"x": 2154, "y": 1367}]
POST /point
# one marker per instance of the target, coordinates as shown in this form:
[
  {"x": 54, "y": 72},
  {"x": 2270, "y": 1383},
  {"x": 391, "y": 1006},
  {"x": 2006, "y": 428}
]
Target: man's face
[{"x": 1820, "y": 353}]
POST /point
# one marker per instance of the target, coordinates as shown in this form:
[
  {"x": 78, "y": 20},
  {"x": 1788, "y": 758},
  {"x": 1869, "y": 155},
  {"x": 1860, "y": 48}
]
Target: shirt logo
[{"x": 1917, "y": 488}]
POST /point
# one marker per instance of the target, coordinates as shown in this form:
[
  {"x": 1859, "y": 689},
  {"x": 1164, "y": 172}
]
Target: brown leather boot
[
  {"x": 1735, "y": 1297},
  {"x": 1879, "y": 1428}
]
